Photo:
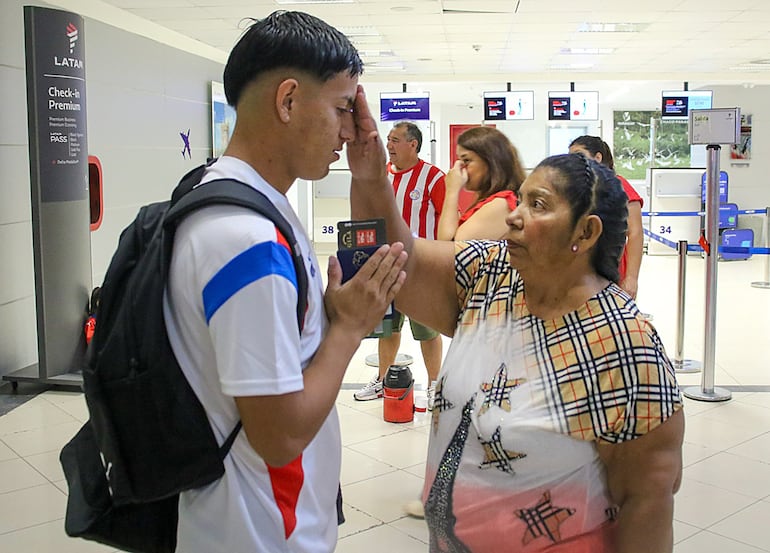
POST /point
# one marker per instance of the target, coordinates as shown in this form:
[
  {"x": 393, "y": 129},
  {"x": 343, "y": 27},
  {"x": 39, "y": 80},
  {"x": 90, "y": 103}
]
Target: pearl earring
[{"x": 574, "y": 248}]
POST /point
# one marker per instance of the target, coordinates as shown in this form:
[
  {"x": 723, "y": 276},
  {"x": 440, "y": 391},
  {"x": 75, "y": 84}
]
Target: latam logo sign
[
  {"x": 72, "y": 34},
  {"x": 399, "y": 106},
  {"x": 70, "y": 61}
]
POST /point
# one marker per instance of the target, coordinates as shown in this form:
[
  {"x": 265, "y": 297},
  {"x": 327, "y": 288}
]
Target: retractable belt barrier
[
  {"x": 697, "y": 248},
  {"x": 682, "y": 365}
]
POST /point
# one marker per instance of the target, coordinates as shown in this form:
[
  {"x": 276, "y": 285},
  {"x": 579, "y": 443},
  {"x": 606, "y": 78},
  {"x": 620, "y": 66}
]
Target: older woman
[
  {"x": 558, "y": 423},
  {"x": 489, "y": 166}
]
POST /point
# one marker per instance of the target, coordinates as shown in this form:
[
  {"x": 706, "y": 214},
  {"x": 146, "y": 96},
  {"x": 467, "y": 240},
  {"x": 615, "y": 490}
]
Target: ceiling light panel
[
  {"x": 586, "y": 51},
  {"x": 282, "y": 2},
  {"x": 611, "y": 27}
]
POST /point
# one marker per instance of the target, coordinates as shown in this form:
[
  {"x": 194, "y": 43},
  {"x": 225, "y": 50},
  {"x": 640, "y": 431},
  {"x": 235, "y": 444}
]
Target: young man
[
  {"x": 231, "y": 301},
  {"x": 419, "y": 189}
]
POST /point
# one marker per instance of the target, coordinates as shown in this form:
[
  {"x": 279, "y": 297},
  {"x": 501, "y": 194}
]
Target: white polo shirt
[{"x": 230, "y": 311}]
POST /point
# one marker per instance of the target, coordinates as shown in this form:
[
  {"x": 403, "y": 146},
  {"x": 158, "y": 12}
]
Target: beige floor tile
[
  {"x": 35, "y": 414},
  {"x": 733, "y": 473},
  {"x": 356, "y": 521},
  {"x": 417, "y": 470},
  {"x": 414, "y": 527},
  {"x": 30, "y": 507},
  {"x": 6, "y": 452},
  {"x": 382, "y": 539},
  {"x": 47, "y": 464},
  {"x": 682, "y": 531},
  {"x": 748, "y": 526},
  {"x": 42, "y": 440},
  {"x": 400, "y": 450},
  {"x": 757, "y": 449},
  {"x": 707, "y": 542},
  {"x": 357, "y": 467},
  {"x": 17, "y": 474},
  {"x": 48, "y": 538},
  {"x": 383, "y": 497},
  {"x": 740, "y": 415},
  {"x": 761, "y": 399},
  {"x": 359, "y": 426},
  {"x": 716, "y": 434},
  {"x": 703, "y": 505},
  {"x": 692, "y": 453}
]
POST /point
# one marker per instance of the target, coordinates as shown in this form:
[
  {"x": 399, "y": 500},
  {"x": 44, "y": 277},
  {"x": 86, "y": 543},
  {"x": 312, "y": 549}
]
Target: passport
[
  {"x": 357, "y": 234},
  {"x": 356, "y": 242}
]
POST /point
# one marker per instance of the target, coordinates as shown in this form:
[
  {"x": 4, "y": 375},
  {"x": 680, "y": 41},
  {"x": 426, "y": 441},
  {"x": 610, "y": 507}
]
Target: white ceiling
[{"x": 502, "y": 40}]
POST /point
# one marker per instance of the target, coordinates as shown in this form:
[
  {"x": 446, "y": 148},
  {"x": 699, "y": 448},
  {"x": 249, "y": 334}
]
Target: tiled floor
[{"x": 723, "y": 506}]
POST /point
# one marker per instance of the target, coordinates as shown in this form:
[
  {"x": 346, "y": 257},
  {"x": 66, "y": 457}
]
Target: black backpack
[{"x": 148, "y": 437}]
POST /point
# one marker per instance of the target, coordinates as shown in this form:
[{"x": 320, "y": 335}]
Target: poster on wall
[
  {"x": 56, "y": 103},
  {"x": 631, "y": 143},
  {"x": 222, "y": 119}
]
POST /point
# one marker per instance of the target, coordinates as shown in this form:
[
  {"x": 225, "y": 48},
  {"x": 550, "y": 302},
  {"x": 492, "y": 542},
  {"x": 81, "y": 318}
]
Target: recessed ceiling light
[
  {"x": 359, "y": 31},
  {"x": 610, "y": 27},
  {"x": 587, "y": 50},
  {"x": 376, "y": 53},
  {"x": 570, "y": 66},
  {"x": 313, "y": 1},
  {"x": 753, "y": 67},
  {"x": 385, "y": 66}
]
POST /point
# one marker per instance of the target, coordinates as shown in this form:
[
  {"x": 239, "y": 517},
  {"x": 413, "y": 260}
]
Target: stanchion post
[
  {"x": 707, "y": 391},
  {"x": 682, "y": 365},
  {"x": 766, "y": 233}
]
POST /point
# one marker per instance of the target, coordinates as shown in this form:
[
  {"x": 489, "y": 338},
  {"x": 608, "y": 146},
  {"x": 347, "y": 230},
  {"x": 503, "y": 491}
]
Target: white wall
[{"x": 141, "y": 95}]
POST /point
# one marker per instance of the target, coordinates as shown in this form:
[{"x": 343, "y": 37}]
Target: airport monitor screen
[
  {"x": 509, "y": 106},
  {"x": 573, "y": 106},
  {"x": 676, "y": 104}
]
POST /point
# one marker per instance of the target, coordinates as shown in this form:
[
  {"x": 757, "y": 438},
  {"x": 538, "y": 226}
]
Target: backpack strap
[
  {"x": 233, "y": 192},
  {"x": 188, "y": 196}
]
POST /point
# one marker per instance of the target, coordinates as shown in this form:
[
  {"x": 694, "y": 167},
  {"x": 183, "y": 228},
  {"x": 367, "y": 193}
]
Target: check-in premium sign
[
  {"x": 398, "y": 106},
  {"x": 56, "y": 103}
]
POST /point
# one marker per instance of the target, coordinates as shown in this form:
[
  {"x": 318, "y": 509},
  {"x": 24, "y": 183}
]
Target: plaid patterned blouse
[{"x": 521, "y": 403}]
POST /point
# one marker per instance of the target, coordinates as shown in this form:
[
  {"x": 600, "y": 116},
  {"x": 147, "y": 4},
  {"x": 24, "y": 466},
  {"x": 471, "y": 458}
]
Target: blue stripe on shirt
[{"x": 261, "y": 260}]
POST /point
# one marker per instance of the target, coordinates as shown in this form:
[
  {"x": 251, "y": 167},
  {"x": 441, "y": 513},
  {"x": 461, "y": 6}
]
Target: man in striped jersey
[{"x": 419, "y": 189}]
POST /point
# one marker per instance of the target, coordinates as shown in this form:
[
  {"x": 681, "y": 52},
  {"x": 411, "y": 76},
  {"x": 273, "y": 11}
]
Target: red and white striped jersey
[{"x": 420, "y": 196}]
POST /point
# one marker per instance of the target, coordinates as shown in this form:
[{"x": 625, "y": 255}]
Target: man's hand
[
  {"x": 359, "y": 304},
  {"x": 366, "y": 153}
]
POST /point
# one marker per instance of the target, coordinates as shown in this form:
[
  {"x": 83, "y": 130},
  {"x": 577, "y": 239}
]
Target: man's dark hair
[
  {"x": 289, "y": 39},
  {"x": 412, "y": 132}
]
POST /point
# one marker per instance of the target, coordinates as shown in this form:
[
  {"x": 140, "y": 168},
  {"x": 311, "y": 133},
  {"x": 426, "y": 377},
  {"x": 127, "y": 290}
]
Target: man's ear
[
  {"x": 598, "y": 157},
  {"x": 284, "y": 98}
]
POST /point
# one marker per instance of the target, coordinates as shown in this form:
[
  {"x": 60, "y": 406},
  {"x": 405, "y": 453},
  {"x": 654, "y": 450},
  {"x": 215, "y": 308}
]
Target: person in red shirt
[
  {"x": 489, "y": 166},
  {"x": 597, "y": 149}
]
